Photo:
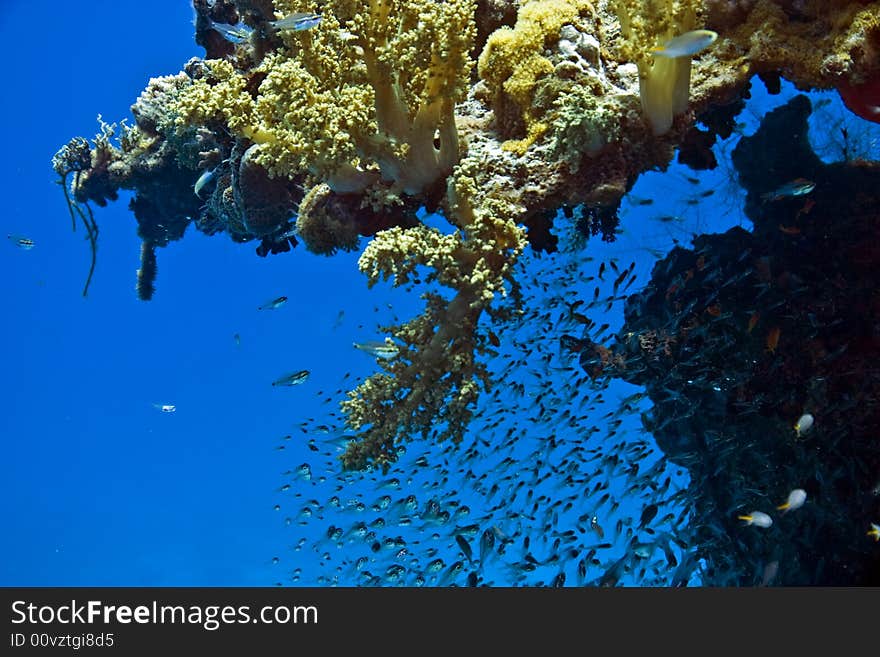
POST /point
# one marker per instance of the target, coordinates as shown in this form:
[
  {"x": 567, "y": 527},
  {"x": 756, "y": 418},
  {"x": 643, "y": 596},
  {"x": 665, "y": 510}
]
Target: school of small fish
[
  {"x": 556, "y": 483},
  {"x": 537, "y": 495}
]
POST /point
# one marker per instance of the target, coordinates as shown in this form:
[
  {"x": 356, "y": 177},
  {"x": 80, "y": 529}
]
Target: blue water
[{"x": 99, "y": 487}]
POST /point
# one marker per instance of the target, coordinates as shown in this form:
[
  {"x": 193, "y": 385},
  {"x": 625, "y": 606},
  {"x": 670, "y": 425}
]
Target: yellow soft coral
[
  {"x": 368, "y": 93},
  {"x": 512, "y": 62},
  {"x": 664, "y": 82},
  {"x": 431, "y": 386},
  {"x": 219, "y": 96}
]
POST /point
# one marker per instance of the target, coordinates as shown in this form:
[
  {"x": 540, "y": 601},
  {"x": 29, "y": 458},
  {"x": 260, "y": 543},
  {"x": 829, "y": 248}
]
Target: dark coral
[
  {"x": 217, "y": 11},
  {"x": 146, "y": 275},
  {"x": 539, "y": 233},
  {"x": 266, "y": 204},
  {"x": 737, "y": 337},
  {"x": 329, "y": 221},
  {"x": 592, "y": 220}
]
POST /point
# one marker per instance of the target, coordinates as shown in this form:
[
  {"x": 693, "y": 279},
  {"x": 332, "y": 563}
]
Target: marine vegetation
[{"x": 493, "y": 114}]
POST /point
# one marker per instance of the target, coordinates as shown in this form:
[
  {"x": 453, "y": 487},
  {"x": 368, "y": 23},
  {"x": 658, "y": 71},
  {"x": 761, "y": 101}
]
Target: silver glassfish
[
  {"x": 377, "y": 349},
  {"x": 22, "y": 242},
  {"x": 293, "y": 379},
  {"x": 272, "y": 305},
  {"x": 233, "y": 33},
  {"x": 797, "y": 187},
  {"x": 297, "y": 22}
]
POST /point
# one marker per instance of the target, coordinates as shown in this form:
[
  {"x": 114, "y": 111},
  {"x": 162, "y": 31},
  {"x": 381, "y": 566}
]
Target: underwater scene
[{"x": 433, "y": 293}]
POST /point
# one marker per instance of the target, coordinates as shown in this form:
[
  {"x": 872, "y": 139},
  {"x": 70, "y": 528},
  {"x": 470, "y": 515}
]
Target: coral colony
[{"x": 323, "y": 123}]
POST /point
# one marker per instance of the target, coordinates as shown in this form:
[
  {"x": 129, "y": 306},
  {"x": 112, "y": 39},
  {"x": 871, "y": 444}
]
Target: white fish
[
  {"x": 803, "y": 424},
  {"x": 204, "y": 179},
  {"x": 796, "y": 499},
  {"x": 207, "y": 176},
  {"x": 272, "y": 305},
  {"x": 757, "y": 518},
  {"x": 686, "y": 45},
  {"x": 293, "y": 379},
  {"x": 165, "y": 408}
]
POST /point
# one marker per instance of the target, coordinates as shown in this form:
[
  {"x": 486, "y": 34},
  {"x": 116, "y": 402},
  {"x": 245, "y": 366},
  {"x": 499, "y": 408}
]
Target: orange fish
[
  {"x": 753, "y": 321},
  {"x": 773, "y": 339},
  {"x": 808, "y": 205},
  {"x": 714, "y": 309},
  {"x": 790, "y": 230}
]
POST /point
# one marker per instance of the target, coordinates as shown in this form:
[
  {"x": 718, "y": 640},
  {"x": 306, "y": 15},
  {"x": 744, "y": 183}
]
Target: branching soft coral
[
  {"x": 431, "y": 386},
  {"x": 664, "y": 82},
  {"x": 369, "y": 93},
  {"x": 513, "y": 61}
]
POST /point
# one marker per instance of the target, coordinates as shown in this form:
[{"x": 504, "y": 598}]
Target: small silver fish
[
  {"x": 797, "y": 187},
  {"x": 272, "y": 305},
  {"x": 165, "y": 408},
  {"x": 803, "y": 425},
  {"x": 292, "y": 379},
  {"x": 643, "y": 550},
  {"x": 22, "y": 242},
  {"x": 297, "y": 22},
  {"x": 206, "y": 177},
  {"x": 233, "y": 33},
  {"x": 377, "y": 349},
  {"x": 686, "y": 45}
]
